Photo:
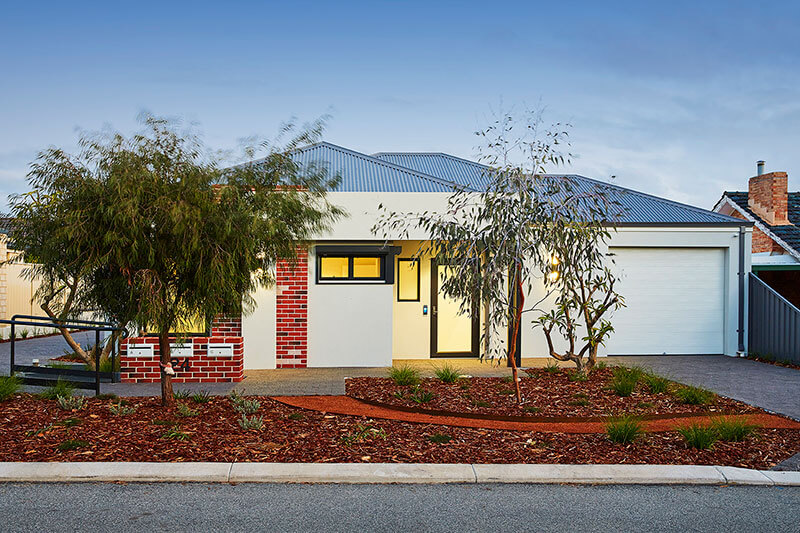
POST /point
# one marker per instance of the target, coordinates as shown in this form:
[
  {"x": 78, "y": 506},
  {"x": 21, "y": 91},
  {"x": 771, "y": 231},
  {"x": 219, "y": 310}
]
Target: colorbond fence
[{"x": 774, "y": 330}]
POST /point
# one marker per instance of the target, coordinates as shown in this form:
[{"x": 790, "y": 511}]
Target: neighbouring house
[
  {"x": 16, "y": 292},
  {"x": 775, "y": 212},
  {"x": 356, "y": 300}
]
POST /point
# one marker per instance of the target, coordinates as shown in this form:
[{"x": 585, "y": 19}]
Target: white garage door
[{"x": 675, "y": 301}]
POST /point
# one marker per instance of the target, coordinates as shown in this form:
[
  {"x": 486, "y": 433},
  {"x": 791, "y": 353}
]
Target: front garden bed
[{"x": 209, "y": 429}]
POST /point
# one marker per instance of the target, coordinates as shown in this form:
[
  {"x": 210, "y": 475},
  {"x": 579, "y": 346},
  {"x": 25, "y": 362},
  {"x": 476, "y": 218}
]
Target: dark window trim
[
  {"x": 408, "y": 260},
  {"x": 385, "y": 253}
]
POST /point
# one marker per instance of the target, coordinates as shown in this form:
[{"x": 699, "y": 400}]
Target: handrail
[{"x": 73, "y": 322}]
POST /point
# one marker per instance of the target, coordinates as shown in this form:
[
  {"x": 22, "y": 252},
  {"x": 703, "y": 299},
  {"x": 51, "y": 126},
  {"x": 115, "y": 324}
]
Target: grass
[
  {"x": 698, "y": 436},
  {"x": 120, "y": 409},
  {"x": 71, "y": 403},
  {"x": 181, "y": 394},
  {"x": 732, "y": 429},
  {"x": 363, "y": 433},
  {"x": 202, "y": 396},
  {"x": 175, "y": 433},
  {"x": 625, "y": 380},
  {"x": 185, "y": 411},
  {"x": 253, "y": 422},
  {"x": 447, "y": 373},
  {"x": 655, "y": 383},
  {"x": 404, "y": 375},
  {"x": 72, "y": 444},
  {"x": 421, "y": 396},
  {"x": 59, "y": 388},
  {"x": 690, "y": 395},
  {"x": 578, "y": 376},
  {"x": 552, "y": 367},
  {"x": 439, "y": 438},
  {"x": 624, "y": 429},
  {"x": 9, "y": 385}
]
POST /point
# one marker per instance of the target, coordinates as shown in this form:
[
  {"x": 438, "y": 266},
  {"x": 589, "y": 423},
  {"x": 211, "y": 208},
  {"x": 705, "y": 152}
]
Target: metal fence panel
[{"x": 774, "y": 323}]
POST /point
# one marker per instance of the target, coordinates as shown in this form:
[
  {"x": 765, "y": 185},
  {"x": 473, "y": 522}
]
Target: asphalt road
[{"x": 258, "y": 507}]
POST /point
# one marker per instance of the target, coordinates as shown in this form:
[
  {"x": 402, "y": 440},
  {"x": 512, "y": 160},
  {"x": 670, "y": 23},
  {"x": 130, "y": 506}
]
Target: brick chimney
[{"x": 768, "y": 196}]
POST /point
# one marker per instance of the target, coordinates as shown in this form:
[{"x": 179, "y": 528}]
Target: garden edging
[{"x": 209, "y": 472}]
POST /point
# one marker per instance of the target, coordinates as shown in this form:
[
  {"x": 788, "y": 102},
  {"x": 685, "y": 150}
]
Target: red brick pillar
[{"x": 291, "y": 344}]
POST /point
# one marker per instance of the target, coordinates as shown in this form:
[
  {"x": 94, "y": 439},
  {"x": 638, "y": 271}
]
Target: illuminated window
[
  {"x": 351, "y": 267},
  {"x": 334, "y": 267},
  {"x": 408, "y": 280}
]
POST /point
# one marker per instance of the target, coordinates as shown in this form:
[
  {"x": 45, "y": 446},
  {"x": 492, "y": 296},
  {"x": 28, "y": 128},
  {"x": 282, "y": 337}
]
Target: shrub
[
  {"x": 447, "y": 373},
  {"x": 439, "y": 438},
  {"x": 201, "y": 396},
  {"x": 71, "y": 403},
  {"x": 9, "y": 385},
  {"x": 186, "y": 411},
  {"x": 24, "y": 333},
  {"x": 296, "y": 416},
  {"x": 181, "y": 394},
  {"x": 624, "y": 429},
  {"x": 600, "y": 365},
  {"x": 247, "y": 407},
  {"x": 72, "y": 444},
  {"x": 404, "y": 375},
  {"x": 625, "y": 380},
  {"x": 578, "y": 376},
  {"x": 421, "y": 396},
  {"x": 175, "y": 433},
  {"x": 552, "y": 367},
  {"x": 732, "y": 429},
  {"x": 120, "y": 409},
  {"x": 253, "y": 422},
  {"x": 697, "y": 436},
  {"x": 363, "y": 433},
  {"x": 655, "y": 383},
  {"x": 59, "y": 388},
  {"x": 694, "y": 395}
]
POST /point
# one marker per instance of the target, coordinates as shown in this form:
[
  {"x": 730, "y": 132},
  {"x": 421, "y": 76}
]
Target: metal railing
[
  {"x": 774, "y": 323},
  {"x": 42, "y": 375}
]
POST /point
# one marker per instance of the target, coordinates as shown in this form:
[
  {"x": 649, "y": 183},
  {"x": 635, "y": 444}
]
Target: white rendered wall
[{"x": 258, "y": 330}]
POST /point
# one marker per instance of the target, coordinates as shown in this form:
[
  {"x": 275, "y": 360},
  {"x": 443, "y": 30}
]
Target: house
[
  {"x": 775, "y": 212},
  {"x": 356, "y": 300}
]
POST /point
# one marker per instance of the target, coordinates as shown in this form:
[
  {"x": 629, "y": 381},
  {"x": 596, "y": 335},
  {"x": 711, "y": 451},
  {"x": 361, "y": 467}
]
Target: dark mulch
[
  {"x": 784, "y": 362},
  {"x": 215, "y": 435},
  {"x": 543, "y": 393}
]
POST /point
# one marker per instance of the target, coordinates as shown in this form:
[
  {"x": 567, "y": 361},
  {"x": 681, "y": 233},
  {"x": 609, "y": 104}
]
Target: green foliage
[
  {"x": 24, "y": 333},
  {"x": 253, "y": 422},
  {"x": 70, "y": 422},
  {"x": 71, "y": 403},
  {"x": 533, "y": 409},
  {"x": 694, "y": 395},
  {"x": 181, "y": 394},
  {"x": 421, "y": 396},
  {"x": 698, "y": 436},
  {"x": 404, "y": 375},
  {"x": 732, "y": 429},
  {"x": 175, "y": 433},
  {"x": 247, "y": 407},
  {"x": 202, "y": 396},
  {"x": 58, "y": 364},
  {"x": 580, "y": 399},
  {"x": 552, "y": 367},
  {"x": 9, "y": 385},
  {"x": 296, "y": 416},
  {"x": 72, "y": 444},
  {"x": 439, "y": 438},
  {"x": 185, "y": 411},
  {"x": 363, "y": 433},
  {"x": 624, "y": 429},
  {"x": 579, "y": 376},
  {"x": 655, "y": 383},
  {"x": 40, "y": 431},
  {"x": 625, "y": 380},
  {"x": 447, "y": 373},
  {"x": 59, "y": 388},
  {"x": 159, "y": 422},
  {"x": 105, "y": 365},
  {"x": 600, "y": 365},
  {"x": 481, "y": 403},
  {"x": 120, "y": 409}
]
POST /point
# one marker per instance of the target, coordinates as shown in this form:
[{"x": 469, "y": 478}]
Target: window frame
[
  {"x": 418, "y": 268},
  {"x": 385, "y": 254}
]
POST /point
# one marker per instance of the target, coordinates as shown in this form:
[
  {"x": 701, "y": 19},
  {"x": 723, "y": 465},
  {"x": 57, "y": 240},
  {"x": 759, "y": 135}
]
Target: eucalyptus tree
[{"x": 165, "y": 235}]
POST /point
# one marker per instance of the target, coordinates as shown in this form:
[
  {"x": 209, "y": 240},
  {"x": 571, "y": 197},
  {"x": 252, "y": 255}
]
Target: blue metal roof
[{"x": 444, "y": 166}]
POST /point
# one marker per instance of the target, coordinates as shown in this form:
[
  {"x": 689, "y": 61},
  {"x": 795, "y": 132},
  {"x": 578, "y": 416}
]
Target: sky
[{"x": 677, "y": 99}]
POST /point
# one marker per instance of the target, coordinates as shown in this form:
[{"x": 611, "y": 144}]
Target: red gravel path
[{"x": 345, "y": 405}]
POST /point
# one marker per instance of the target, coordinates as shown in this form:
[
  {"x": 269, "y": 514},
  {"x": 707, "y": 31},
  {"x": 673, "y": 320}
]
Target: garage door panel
[{"x": 674, "y": 299}]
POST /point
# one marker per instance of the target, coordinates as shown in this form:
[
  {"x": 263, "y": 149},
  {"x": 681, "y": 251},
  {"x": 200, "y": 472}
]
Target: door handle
[{"x": 433, "y": 310}]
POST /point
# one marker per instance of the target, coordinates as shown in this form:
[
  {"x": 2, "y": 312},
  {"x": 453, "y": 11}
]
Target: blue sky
[{"x": 677, "y": 99}]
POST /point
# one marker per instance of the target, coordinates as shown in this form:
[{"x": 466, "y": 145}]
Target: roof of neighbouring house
[
  {"x": 790, "y": 233},
  {"x": 439, "y": 172}
]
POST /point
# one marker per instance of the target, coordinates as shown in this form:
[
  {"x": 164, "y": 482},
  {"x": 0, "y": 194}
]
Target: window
[
  {"x": 408, "y": 280},
  {"x": 343, "y": 263}
]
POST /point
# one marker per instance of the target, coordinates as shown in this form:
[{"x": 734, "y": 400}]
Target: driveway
[{"x": 42, "y": 348}]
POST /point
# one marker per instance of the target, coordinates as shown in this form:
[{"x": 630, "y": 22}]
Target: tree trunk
[
  {"x": 512, "y": 351},
  {"x": 167, "y": 398}
]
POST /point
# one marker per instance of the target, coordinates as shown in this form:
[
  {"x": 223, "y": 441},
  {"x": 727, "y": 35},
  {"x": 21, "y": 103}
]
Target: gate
[{"x": 774, "y": 324}]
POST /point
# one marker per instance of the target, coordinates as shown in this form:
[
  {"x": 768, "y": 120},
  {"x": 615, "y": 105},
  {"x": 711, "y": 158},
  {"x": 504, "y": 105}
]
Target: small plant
[
  {"x": 24, "y": 333},
  {"x": 296, "y": 416},
  {"x": 625, "y": 380},
  {"x": 421, "y": 396},
  {"x": 253, "y": 422},
  {"x": 694, "y": 395},
  {"x": 181, "y": 394},
  {"x": 363, "y": 433},
  {"x": 235, "y": 397},
  {"x": 506, "y": 392},
  {"x": 697, "y": 436},
  {"x": 185, "y": 411},
  {"x": 481, "y": 403},
  {"x": 202, "y": 396},
  {"x": 552, "y": 367},
  {"x": 71, "y": 403},
  {"x": 175, "y": 433},
  {"x": 159, "y": 422},
  {"x": 532, "y": 409},
  {"x": 578, "y": 376},
  {"x": 448, "y": 373},
  {"x": 247, "y": 407},
  {"x": 507, "y": 379},
  {"x": 106, "y": 396},
  {"x": 59, "y": 388},
  {"x": 40, "y": 431},
  {"x": 439, "y": 438},
  {"x": 464, "y": 385},
  {"x": 580, "y": 399},
  {"x": 72, "y": 444},
  {"x": 600, "y": 365},
  {"x": 70, "y": 422},
  {"x": 655, "y": 383},
  {"x": 645, "y": 405},
  {"x": 9, "y": 385},
  {"x": 532, "y": 372},
  {"x": 399, "y": 395},
  {"x": 120, "y": 409},
  {"x": 624, "y": 429},
  {"x": 732, "y": 429},
  {"x": 404, "y": 375}
]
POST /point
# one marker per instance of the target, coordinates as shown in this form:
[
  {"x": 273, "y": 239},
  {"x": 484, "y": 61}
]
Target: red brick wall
[
  {"x": 199, "y": 368},
  {"x": 768, "y": 197},
  {"x": 291, "y": 343},
  {"x": 761, "y": 242}
]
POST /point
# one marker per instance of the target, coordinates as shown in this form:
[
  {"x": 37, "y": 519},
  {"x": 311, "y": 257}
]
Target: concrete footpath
[{"x": 389, "y": 473}]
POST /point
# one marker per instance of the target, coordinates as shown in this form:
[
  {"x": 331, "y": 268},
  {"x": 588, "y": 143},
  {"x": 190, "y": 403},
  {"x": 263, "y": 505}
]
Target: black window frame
[
  {"x": 419, "y": 264},
  {"x": 384, "y": 253}
]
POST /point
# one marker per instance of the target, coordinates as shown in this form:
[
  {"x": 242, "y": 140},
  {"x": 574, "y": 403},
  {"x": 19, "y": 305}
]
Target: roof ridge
[{"x": 451, "y": 156}]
